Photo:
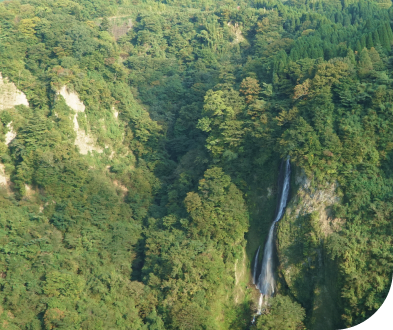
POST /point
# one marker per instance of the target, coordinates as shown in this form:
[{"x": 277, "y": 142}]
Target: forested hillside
[{"x": 140, "y": 147}]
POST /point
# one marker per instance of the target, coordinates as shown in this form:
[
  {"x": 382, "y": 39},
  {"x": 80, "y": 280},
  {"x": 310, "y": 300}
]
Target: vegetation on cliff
[{"x": 186, "y": 102}]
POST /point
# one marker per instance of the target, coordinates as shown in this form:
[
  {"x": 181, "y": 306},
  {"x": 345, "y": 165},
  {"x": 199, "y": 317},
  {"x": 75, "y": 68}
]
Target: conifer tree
[
  {"x": 294, "y": 56},
  {"x": 389, "y": 30},
  {"x": 339, "y": 18},
  {"x": 365, "y": 63},
  {"x": 369, "y": 41},
  {"x": 320, "y": 52},
  {"x": 351, "y": 56},
  {"x": 329, "y": 53},
  {"x": 104, "y": 26},
  {"x": 376, "y": 39},
  {"x": 293, "y": 24},
  {"x": 280, "y": 61},
  {"x": 347, "y": 21},
  {"x": 313, "y": 53},
  {"x": 363, "y": 41},
  {"x": 375, "y": 59},
  {"x": 358, "y": 47},
  {"x": 388, "y": 38},
  {"x": 335, "y": 38},
  {"x": 368, "y": 25},
  {"x": 384, "y": 37}
]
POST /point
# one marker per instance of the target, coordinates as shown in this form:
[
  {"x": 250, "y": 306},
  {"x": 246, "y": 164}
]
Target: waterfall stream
[
  {"x": 254, "y": 275},
  {"x": 265, "y": 282}
]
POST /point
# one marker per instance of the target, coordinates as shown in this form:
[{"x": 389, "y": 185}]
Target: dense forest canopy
[{"x": 183, "y": 105}]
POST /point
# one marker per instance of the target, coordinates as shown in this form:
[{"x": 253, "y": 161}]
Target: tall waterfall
[
  {"x": 254, "y": 274},
  {"x": 265, "y": 282}
]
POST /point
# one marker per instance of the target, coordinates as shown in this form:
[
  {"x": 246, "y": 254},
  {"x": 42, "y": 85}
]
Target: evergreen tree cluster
[{"x": 191, "y": 104}]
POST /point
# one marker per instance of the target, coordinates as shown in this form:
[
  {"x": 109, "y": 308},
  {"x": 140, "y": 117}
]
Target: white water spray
[
  {"x": 254, "y": 275},
  {"x": 260, "y": 303},
  {"x": 265, "y": 282}
]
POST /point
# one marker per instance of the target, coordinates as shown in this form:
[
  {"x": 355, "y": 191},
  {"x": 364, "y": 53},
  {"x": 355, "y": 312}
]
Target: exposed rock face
[
  {"x": 311, "y": 200},
  {"x": 236, "y": 30},
  {"x": 4, "y": 180},
  {"x": 115, "y": 112},
  {"x": 120, "y": 28},
  {"x": 10, "y": 96},
  {"x": 85, "y": 142},
  {"x": 241, "y": 278},
  {"x": 10, "y": 135},
  {"x": 304, "y": 263},
  {"x": 72, "y": 100}
]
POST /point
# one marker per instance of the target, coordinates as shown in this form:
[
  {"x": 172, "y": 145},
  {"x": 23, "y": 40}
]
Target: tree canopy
[{"x": 187, "y": 105}]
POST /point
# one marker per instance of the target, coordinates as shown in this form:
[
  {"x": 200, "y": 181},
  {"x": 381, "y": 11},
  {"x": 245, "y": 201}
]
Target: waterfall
[
  {"x": 254, "y": 275},
  {"x": 260, "y": 304},
  {"x": 265, "y": 282}
]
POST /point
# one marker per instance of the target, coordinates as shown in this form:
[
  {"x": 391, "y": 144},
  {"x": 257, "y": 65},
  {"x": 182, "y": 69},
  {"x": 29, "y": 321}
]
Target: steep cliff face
[
  {"x": 261, "y": 197},
  {"x": 10, "y": 96},
  {"x": 305, "y": 266},
  {"x": 84, "y": 141}
]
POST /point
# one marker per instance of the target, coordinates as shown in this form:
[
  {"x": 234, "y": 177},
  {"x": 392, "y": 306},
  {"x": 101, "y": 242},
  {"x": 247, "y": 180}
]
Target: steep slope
[
  {"x": 140, "y": 149},
  {"x": 304, "y": 262}
]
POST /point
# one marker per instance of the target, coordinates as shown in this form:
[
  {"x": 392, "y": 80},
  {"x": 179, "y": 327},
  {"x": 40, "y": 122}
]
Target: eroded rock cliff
[
  {"x": 305, "y": 265},
  {"x": 84, "y": 141},
  {"x": 10, "y": 96}
]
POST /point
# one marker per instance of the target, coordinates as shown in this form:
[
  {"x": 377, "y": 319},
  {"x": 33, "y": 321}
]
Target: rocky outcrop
[
  {"x": 115, "y": 113},
  {"x": 84, "y": 141},
  {"x": 72, "y": 99},
  {"x": 305, "y": 265},
  {"x": 310, "y": 200},
  {"x": 120, "y": 25},
  {"x": 10, "y": 96},
  {"x": 4, "y": 179},
  {"x": 10, "y": 135},
  {"x": 237, "y": 32}
]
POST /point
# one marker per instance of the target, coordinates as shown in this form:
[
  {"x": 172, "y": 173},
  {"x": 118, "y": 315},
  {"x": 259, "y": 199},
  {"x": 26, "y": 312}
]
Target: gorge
[
  {"x": 173, "y": 164},
  {"x": 265, "y": 282}
]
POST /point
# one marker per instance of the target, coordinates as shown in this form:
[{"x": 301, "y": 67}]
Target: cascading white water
[
  {"x": 260, "y": 304},
  {"x": 265, "y": 282},
  {"x": 254, "y": 275}
]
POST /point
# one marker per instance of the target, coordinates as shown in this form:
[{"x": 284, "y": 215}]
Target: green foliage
[
  {"x": 281, "y": 313},
  {"x": 146, "y": 234},
  {"x": 219, "y": 120},
  {"x": 217, "y": 193}
]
